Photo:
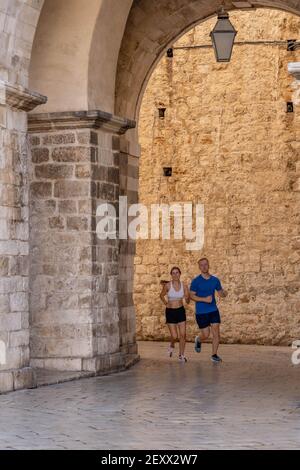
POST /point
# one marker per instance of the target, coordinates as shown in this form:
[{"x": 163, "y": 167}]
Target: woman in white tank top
[{"x": 176, "y": 291}]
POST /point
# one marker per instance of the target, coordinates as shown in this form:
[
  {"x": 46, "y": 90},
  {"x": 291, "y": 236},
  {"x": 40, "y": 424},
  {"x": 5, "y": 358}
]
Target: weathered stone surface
[
  {"x": 41, "y": 190},
  {"x": 83, "y": 171},
  {"x": 57, "y": 223},
  {"x": 71, "y": 154},
  {"x": 66, "y": 189},
  {"x": 53, "y": 171},
  {"x": 39, "y": 155},
  {"x": 59, "y": 139},
  {"x": 6, "y": 381},
  {"x": 77, "y": 223},
  {"x": 4, "y": 263},
  {"x": 24, "y": 378}
]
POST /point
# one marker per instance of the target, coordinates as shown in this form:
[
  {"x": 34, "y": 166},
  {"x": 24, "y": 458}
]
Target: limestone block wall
[
  {"x": 233, "y": 147},
  {"x": 14, "y": 326},
  {"x": 15, "y": 372}
]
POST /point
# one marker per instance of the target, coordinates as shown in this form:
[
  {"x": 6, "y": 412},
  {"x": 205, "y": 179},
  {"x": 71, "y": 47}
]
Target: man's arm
[
  {"x": 222, "y": 293},
  {"x": 195, "y": 298}
]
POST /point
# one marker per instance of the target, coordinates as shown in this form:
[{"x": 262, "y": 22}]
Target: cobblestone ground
[{"x": 251, "y": 400}]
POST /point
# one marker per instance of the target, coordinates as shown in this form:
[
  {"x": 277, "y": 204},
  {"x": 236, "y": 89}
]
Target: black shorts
[
  {"x": 175, "y": 315},
  {"x": 204, "y": 320}
]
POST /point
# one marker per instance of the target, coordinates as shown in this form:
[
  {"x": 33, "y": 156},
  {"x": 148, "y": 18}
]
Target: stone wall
[
  {"x": 15, "y": 372},
  {"x": 233, "y": 147}
]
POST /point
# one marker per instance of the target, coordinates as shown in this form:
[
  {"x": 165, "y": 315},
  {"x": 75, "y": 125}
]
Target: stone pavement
[{"x": 250, "y": 401}]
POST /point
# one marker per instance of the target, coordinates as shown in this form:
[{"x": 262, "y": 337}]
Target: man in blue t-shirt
[{"x": 202, "y": 291}]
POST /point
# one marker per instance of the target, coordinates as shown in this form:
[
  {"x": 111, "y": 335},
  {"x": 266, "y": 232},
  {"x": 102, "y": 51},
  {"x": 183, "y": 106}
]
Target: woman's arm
[
  {"x": 186, "y": 293},
  {"x": 195, "y": 298},
  {"x": 163, "y": 293}
]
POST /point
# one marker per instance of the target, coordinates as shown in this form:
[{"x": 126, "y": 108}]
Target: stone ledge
[
  {"x": 20, "y": 98},
  {"x": 109, "y": 363},
  {"x": 17, "y": 379},
  {"x": 51, "y": 377},
  {"x": 45, "y": 122},
  {"x": 29, "y": 377}
]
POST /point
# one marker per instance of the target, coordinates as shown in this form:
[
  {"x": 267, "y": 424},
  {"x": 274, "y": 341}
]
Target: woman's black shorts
[{"x": 175, "y": 315}]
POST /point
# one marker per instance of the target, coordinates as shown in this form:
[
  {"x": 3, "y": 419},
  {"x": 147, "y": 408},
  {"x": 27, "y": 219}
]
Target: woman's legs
[
  {"x": 173, "y": 332},
  {"x": 182, "y": 337}
]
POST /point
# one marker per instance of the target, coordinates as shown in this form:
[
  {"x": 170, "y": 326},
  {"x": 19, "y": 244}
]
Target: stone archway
[
  {"x": 232, "y": 146},
  {"x": 156, "y": 30},
  {"x": 79, "y": 155}
]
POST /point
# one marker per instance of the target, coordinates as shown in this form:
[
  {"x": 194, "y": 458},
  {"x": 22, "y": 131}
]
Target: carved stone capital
[
  {"x": 45, "y": 122},
  {"x": 18, "y": 97}
]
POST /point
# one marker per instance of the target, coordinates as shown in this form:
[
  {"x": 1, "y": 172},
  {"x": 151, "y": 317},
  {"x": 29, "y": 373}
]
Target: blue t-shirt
[{"x": 204, "y": 287}]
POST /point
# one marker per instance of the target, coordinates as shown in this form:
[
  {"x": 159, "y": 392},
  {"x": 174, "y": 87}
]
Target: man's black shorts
[{"x": 204, "y": 320}]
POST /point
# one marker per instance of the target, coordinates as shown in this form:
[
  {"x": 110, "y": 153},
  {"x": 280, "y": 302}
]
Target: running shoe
[
  {"x": 216, "y": 358},
  {"x": 197, "y": 344},
  {"x": 170, "y": 351},
  {"x": 182, "y": 358}
]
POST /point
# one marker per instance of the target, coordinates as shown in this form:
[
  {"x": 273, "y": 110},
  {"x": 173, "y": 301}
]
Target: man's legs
[
  {"x": 215, "y": 329},
  {"x": 204, "y": 334}
]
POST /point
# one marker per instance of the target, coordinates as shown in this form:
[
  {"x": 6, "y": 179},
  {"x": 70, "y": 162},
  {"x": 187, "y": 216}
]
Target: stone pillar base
[
  {"x": 102, "y": 364},
  {"x": 76, "y": 301},
  {"x": 17, "y": 379},
  {"x": 110, "y": 363}
]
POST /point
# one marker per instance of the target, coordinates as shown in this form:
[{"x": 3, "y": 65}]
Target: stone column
[
  {"x": 129, "y": 179},
  {"x": 74, "y": 276},
  {"x": 15, "y": 371}
]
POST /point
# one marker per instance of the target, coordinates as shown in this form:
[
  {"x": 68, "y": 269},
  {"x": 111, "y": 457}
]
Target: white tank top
[{"x": 174, "y": 294}]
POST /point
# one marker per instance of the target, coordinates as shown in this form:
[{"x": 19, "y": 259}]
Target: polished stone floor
[{"x": 250, "y": 401}]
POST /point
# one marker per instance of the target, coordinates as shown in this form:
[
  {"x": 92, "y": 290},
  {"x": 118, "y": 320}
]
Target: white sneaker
[{"x": 182, "y": 358}]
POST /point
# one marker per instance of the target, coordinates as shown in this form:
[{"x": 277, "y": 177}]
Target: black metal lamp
[{"x": 223, "y": 36}]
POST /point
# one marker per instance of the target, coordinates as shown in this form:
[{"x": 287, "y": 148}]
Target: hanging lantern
[{"x": 223, "y": 36}]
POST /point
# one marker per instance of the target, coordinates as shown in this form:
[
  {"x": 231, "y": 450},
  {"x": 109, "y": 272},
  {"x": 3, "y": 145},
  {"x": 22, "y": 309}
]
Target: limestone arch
[{"x": 75, "y": 53}]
